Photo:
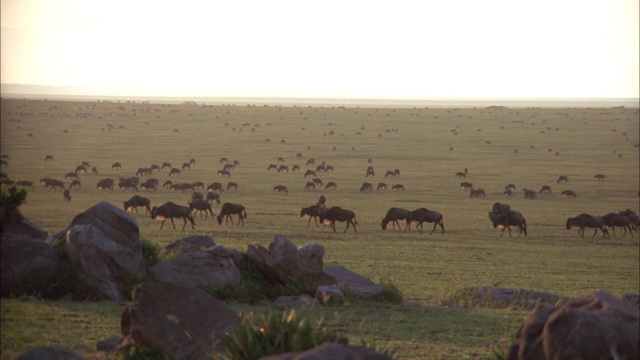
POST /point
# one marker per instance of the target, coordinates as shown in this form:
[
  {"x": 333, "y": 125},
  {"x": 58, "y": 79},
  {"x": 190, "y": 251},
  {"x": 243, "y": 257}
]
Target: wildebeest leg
[
  {"x": 419, "y": 227},
  {"x": 333, "y": 226},
  {"x": 185, "y": 222},
  {"x": 161, "y": 225},
  {"x": 172, "y": 223}
]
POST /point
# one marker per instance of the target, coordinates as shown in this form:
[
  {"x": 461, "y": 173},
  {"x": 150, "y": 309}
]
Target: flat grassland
[{"x": 529, "y": 147}]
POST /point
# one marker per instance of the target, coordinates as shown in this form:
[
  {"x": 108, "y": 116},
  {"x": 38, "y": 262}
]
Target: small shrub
[
  {"x": 150, "y": 253},
  {"x": 276, "y": 333},
  {"x": 10, "y": 199}
]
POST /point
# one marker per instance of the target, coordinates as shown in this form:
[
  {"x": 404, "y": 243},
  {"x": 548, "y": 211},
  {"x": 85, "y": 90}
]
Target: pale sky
[{"x": 336, "y": 49}]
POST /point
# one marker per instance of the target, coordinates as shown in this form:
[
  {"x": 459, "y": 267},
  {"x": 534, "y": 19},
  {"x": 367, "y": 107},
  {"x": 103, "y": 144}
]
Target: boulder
[
  {"x": 331, "y": 351},
  {"x": 329, "y": 294},
  {"x": 597, "y": 327},
  {"x": 199, "y": 268},
  {"x": 350, "y": 281},
  {"x": 286, "y": 302},
  {"x": 188, "y": 244},
  {"x": 283, "y": 262},
  {"x": 15, "y": 223},
  {"x": 184, "y": 322},
  {"x": 103, "y": 243}
]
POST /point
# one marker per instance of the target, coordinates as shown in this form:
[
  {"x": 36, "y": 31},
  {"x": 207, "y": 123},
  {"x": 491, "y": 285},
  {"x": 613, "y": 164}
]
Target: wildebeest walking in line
[
  {"x": 502, "y": 216},
  {"x": 392, "y": 216},
  {"x": 466, "y": 185},
  {"x": 546, "y": 189},
  {"x": 335, "y": 213},
  {"x": 476, "y": 193},
  {"x": 423, "y": 215},
  {"x": 135, "y": 201},
  {"x": 612, "y": 220},
  {"x": 229, "y": 209},
  {"x": 312, "y": 212},
  {"x": 67, "y": 195},
  {"x": 171, "y": 210},
  {"x": 213, "y": 196},
  {"x": 281, "y": 189},
  {"x": 366, "y": 187},
  {"x": 632, "y": 216},
  {"x": 568, "y": 193},
  {"x": 583, "y": 221},
  {"x": 200, "y": 206},
  {"x": 562, "y": 179}
]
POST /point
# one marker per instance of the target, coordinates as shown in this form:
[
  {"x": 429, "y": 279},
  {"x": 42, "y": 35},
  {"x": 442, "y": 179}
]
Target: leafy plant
[
  {"x": 10, "y": 199},
  {"x": 141, "y": 353}
]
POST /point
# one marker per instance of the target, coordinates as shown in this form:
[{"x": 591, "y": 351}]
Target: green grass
[{"x": 425, "y": 268}]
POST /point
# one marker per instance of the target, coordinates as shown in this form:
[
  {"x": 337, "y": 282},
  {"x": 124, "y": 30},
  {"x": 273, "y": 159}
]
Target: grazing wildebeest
[
  {"x": 398, "y": 187},
  {"x": 198, "y": 184},
  {"x": 612, "y": 220},
  {"x": 299, "y": 156},
  {"x": 165, "y": 165},
  {"x": 200, "y": 206},
  {"x": 329, "y": 168},
  {"x": 322, "y": 201},
  {"x": 529, "y": 194},
  {"x": 232, "y": 185},
  {"x": 48, "y": 158},
  {"x": 366, "y": 187},
  {"x": 476, "y": 193},
  {"x": 174, "y": 171},
  {"x": 310, "y": 185},
  {"x": 272, "y": 167},
  {"x": 283, "y": 168},
  {"x": 381, "y": 186},
  {"x": 568, "y": 193},
  {"x": 143, "y": 171},
  {"x": 633, "y": 216},
  {"x": 310, "y": 173},
  {"x": 170, "y": 210},
  {"x": 281, "y": 189},
  {"x": 507, "y": 193},
  {"x": 318, "y": 181},
  {"x": 116, "y": 166},
  {"x": 229, "y": 209},
  {"x": 81, "y": 168},
  {"x": 223, "y": 172},
  {"x": 295, "y": 168},
  {"x": 25, "y": 183},
  {"x": 182, "y": 187},
  {"x": 331, "y": 185},
  {"x": 599, "y": 176},
  {"x": 392, "y": 216},
  {"x": 129, "y": 183},
  {"x": 167, "y": 184},
  {"x": 106, "y": 184},
  {"x": 563, "y": 179},
  {"x": 423, "y": 215},
  {"x": 67, "y": 195},
  {"x": 135, "y": 201},
  {"x": 155, "y": 167},
  {"x": 52, "y": 184},
  {"x": 312, "y": 212},
  {"x": 71, "y": 175},
  {"x": 510, "y": 186},
  {"x": 461, "y": 175},
  {"x": 389, "y": 173},
  {"x": 213, "y": 196},
  {"x": 583, "y": 221},
  {"x": 223, "y": 160},
  {"x": 321, "y": 168},
  {"x": 396, "y": 172},
  {"x": 335, "y": 213},
  {"x": 197, "y": 196},
  {"x": 94, "y": 170},
  {"x": 505, "y": 218},
  {"x": 546, "y": 189},
  {"x": 228, "y": 167},
  {"x": 75, "y": 183},
  {"x": 311, "y": 161},
  {"x": 215, "y": 186},
  {"x": 370, "y": 172},
  {"x": 466, "y": 185}
]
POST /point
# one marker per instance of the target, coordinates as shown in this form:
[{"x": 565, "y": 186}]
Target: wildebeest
[
  {"x": 546, "y": 189},
  {"x": 143, "y": 171},
  {"x": 129, "y": 183},
  {"x": 215, "y": 186},
  {"x": 631, "y": 215},
  {"x": 135, "y": 201},
  {"x": 460, "y": 174},
  {"x": 94, "y": 170},
  {"x": 106, "y": 184},
  {"x": 392, "y": 216},
  {"x": 213, "y": 196},
  {"x": 510, "y": 186},
  {"x": 529, "y": 194},
  {"x": 185, "y": 166},
  {"x": 167, "y": 184},
  {"x": 170, "y": 210},
  {"x": 318, "y": 181},
  {"x": 612, "y": 220},
  {"x": 150, "y": 184},
  {"x": 295, "y": 168},
  {"x": 476, "y": 193},
  {"x": 282, "y": 168},
  {"x": 381, "y": 186},
  {"x": 507, "y": 193},
  {"x": 272, "y": 167},
  {"x": 232, "y": 185},
  {"x": 116, "y": 166},
  {"x": 583, "y": 221},
  {"x": 198, "y": 184},
  {"x": 398, "y": 187},
  {"x": 311, "y": 161},
  {"x": 568, "y": 193},
  {"x": 165, "y": 165},
  {"x": 67, "y": 195},
  {"x": 281, "y": 189},
  {"x": 223, "y": 172},
  {"x": 599, "y": 176},
  {"x": 174, "y": 171},
  {"x": 48, "y": 158},
  {"x": 563, "y": 179},
  {"x": 75, "y": 183},
  {"x": 52, "y": 184},
  {"x": 310, "y": 185},
  {"x": 366, "y": 187},
  {"x": 81, "y": 168},
  {"x": 466, "y": 185},
  {"x": 71, "y": 175},
  {"x": 370, "y": 172},
  {"x": 312, "y": 212},
  {"x": 25, "y": 183},
  {"x": 200, "y": 206},
  {"x": 197, "y": 196},
  {"x": 322, "y": 201},
  {"x": 229, "y": 209},
  {"x": 335, "y": 213},
  {"x": 331, "y": 185},
  {"x": 223, "y": 160},
  {"x": 389, "y": 173},
  {"x": 310, "y": 173},
  {"x": 423, "y": 215},
  {"x": 505, "y": 218}
]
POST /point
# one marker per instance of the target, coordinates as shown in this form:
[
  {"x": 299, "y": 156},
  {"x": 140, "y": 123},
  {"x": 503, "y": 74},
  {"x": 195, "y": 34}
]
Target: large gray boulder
[
  {"x": 597, "y": 327},
  {"x": 188, "y": 244},
  {"x": 352, "y": 282},
  {"x": 103, "y": 243},
  {"x": 283, "y": 262},
  {"x": 184, "y": 322}
]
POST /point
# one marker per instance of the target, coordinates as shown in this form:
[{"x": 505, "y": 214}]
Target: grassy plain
[{"x": 429, "y": 145}]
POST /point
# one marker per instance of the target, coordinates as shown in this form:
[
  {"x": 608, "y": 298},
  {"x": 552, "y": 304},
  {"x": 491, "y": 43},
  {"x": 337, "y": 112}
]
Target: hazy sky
[{"x": 337, "y": 49}]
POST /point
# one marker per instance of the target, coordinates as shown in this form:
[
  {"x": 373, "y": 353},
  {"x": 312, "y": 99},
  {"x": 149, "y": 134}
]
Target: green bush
[
  {"x": 10, "y": 199},
  {"x": 141, "y": 353},
  {"x": 275, "y": 333},
  {"x": 149, "y": 252}
]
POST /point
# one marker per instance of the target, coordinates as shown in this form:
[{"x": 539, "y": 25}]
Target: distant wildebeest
[
  {"x": 466, "y": 185},
  {"x": 170, "y": 210},
  {"x": 282, "y": 168},
  {"x": 116, "y": 166},
  {"x": 223, "y": 160},
  {"x": 366, "y": 187},
  {"x": 215, "y": 186},
  {"x": 299, "y": 156},
  {"x": 370, "y": 172},
  {"x": 335, "y": 213},
  {"x": 71, "y": 175},
  {"x": 81, "y": 168},
  {"x": 312, "y": 212},
  {"x": 392, "y": 216},
  {"x": 329, "y": 168},
  {"x": 197, "y": 196},
  {"x": 546, "y": 189},
  {"x": 311, "y": 161},
  {"x": 281, "y": 189},
  {"x": 229, "y": 209},
  {"x": 223, "y": 172},
  {"x": 25, "y": 184},
  {"x": 389, "y": 173},
  {"x": 155, "y": 167},
  {"x": 507, "y": 193},
  {"x": 381, "y": 186},
  {"x": 632, "y": 216},
  {"x": 331, "y": 185},
  {"x": 310, "y": 173},
  {"x": 461, "y": 175},
  {"x": 192, "y": 161},
  {"x": 167, "y": 184},
  {"x": 529, "y": 194},
  {"x": 272, "y": 167},
  {"x": 129, "y": 183},
  {"x": 321, "y": 168},
  {"x": 398, "y": 187},
  {"x": 135, "y": 201},
  {"x": 476, "y": 193},
  {"x": 75, "y": 183},
  {"x": 52, "y": 184},
  {"x": 599, "y": 176},
  {"x": 318, "y": 181},
  {"x": 562, "y": 179},
  {"x": 106, "y": 184},
  {"x": 310, "y": 185},
  {"x": 396, "y": 173},
  {"x": 423, "y": 215},
  {"x": 583, "y": 221},
  {"x": 280, "y": 159},
  {"x": 94, "y": 170},
  {"x": 568, "y": 193},
  {"x": 67, "y": 195},
  {"x": 506, "y": 218},
  {"x": 198, "y": 184},
  {"x": 612, "y": 220},
  {"x": 510, "y": 186},
  {"x": 143, "y": 171},
  {"x": 48, "y": 158},
  {"x": 165, "y": 165},
  {"x": 322, "y": 201},
  {"x": 213, "y": 196},
  {"x": 228, "y": 167},
  {"x": 295, "y": 168},
  {"x": 184, "y": 187},
  {"x": 200, "y": 206},
  {"x": 174, "y": 171},
  {"x": 232, "y": 185}
]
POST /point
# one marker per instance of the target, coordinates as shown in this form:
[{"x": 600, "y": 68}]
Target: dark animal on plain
[
  {"x": 295, "y": 168},
  {"x": 197, "y": 196},
  {"x": 396, "y": 172},
  {"x": 174, "y": 171},
  {"x": 599, "y": 176},
  {"x": 283, "y": 168},
  {"x": 329, "y": 168},
  {"x": 30, "y": 135},
  {"x": 318, "y": 181},
  {"x": 135, "y": 201},
  {"x": 226, "y": 173},
  {"x": 198, "y": 184},
  {"x": 165, "y": 165},
  {"x": 167, "y": 184},
  {"x": 106, "y": 184},
  {"x": 568, "y": 193},
  {"x": 322, "y": 201},
  {"x": 398, "y": 187},
  {"x": 223, "y": 160},
  {"x": 331, "y": 185},
  {"x": 149, "y": 185},
  {"x": 94, "y": 170},
  {"x": 200, "y": 206},
  {"x": 52, "y": 184},
  {"x": 381, "y": 186},
  {"x": 228, "y": 167},
  {"x": 6, "y": 181},
  {"x": 504, "y": 219},
  {"x": 299, "y": 156},
  {"x": 182, "y": 187},
  {"x": 143, "y": 171},
  {"x": 583, "y": 221},
  {"x": 476, "y": 193},
  {"x": 75, "y": 183},
  {"x": 129, "y": 183},
  {"x": 546, "y": 189},
  {"x": 232, "y": 185},
  {"x": 392, "y": 216},
  {"x": 461, "y": 175},
  {"x": 170, "y": 210},
  {"x": 48, "y": 158},
  {"x": 529, "y": 194},
  {"x": 71, "y": 175},
  {"x": 80, "y": 168},
  {"x": 389, "y": 173},
  {"x": 215, "y": 186},
  {"x": 466, "y": 185},
  {"x": 633, "y": 216},
  {"x": 423, "y": 215},
  {"x": 310, "y": 173},
  {"x": 366, "y": 187},
  {"x": 310, "y": 185},
  {"x": 213, "y": 196},
  {"x": 511, "y": 187},
  {"x": 25, "y": 184},
  {"x": 116, "y": 166},
  {"x": 311, "y": 161},
  {"x": 370, "y": 160},
  {"x": 370, "y": 172},
  {"x": 155, "y": 167},
  {"x": 335, "y": 213},
  {"x": 612, "y": 220},
  {"x": 562, "y": 179},
  {"x": 507, "y": 193},
  {"x": 229, "y": 209},
  {"x": 320, "y": 168},
  {"x": 280, "y": 159},
  {"x": 498, "y": 208},
  {"x": 312, "y": 212},
  {"x": 281, "y": 189},
  {"x": 67, "y": 195},
  {"x": 192, "y": 161}
]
